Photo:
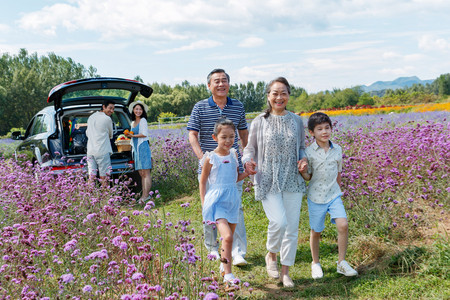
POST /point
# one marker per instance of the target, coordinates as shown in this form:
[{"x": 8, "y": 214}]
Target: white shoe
[
  {"x": 238, "y": 260},
  {"x": 344, "y": 268},
  {"x": 213, "y": 255},
  {"x": 316, "y": 270},
  {"x": 272, "y": 267},
  {"x": 287, "y": 281}
]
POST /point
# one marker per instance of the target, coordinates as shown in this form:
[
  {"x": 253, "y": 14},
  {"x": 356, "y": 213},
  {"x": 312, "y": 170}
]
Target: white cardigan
[
  {"x": 143, "y": 129},
  {"x": 255, "y": 146}
]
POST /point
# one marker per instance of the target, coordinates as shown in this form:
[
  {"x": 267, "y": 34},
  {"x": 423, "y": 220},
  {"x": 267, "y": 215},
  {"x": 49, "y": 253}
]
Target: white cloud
[
  {"x": 204, "y": 44},
  {"x": 60, "y": 49},
  {"x": 252, "y": 42},
  {"x": 395, "y": 72},
  {"x": 391, "y": 55},
  {"x": 179, "y": 19},
  {"x": 344, "y": 47},
  {"x": 433, "y": 43}
]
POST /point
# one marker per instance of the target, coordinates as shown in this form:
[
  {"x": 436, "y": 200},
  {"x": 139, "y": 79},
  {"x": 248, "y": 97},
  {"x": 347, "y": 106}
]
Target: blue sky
[{"x": 315, "y": 44}]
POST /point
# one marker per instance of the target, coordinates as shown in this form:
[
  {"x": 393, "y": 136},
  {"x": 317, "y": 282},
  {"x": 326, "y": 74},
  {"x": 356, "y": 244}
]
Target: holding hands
[
  {"x": 303, "y": 168},
  {"x": 302, "y": 165},
  {"x": 250, "y": 167}
]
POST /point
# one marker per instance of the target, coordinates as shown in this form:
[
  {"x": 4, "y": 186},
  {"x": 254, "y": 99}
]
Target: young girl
[{"x": 218, "y": 192}]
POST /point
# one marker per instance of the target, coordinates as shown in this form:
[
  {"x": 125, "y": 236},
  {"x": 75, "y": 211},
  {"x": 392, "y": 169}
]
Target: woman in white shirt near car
[{"x": 142, "y": 154}]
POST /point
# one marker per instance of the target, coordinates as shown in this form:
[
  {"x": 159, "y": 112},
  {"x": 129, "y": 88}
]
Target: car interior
[{"x": 74, "y": 127}]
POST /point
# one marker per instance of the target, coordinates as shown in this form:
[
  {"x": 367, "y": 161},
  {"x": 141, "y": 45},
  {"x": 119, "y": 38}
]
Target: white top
[
  {"x": 99, "y": 133},
  {"x": 143, "y": 129},
  {"x": 215, "y": 160},
  {"x": 324, "y": 167}
]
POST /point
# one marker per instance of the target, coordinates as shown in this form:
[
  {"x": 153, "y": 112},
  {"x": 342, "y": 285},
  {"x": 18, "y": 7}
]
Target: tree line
[{"x": 26, "y": 80}]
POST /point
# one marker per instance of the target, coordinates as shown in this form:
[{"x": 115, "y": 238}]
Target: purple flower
[
  {"x": 66, "y": 278},
  {"x": 70, "y": 245},
  {"x": 137, "y": 276},
  {"x": 116, "y": 241},
  {"x": 91, "y": 216},
  {"x": 87, "y": 289},
  {"x": 149, "y": 205},
  {"x": 102, "y": 254},
  {"x": 123, "y": 246},
  {"x": 211, "y": 296}
]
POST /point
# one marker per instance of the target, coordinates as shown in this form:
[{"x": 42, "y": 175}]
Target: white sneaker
[
  {"x": 272, "y": 267},
  {"x": 238, "y": 260},
  {"x": 344, "y": 268},
  {"x": 213, "y": 255},
  {"x": 316, "y": 270},
  {"x": 287, "y": 281}
]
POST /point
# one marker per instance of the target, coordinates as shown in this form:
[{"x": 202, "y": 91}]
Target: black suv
[{"x": 56, "y": 136}]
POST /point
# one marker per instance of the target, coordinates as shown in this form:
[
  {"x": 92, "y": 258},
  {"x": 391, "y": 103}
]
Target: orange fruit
[
  {"x": 126, "y": 131},
  {"x": 131, "y": 132}
]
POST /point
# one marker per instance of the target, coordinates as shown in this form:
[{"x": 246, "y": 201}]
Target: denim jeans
[{"x": 239, "y": 237}]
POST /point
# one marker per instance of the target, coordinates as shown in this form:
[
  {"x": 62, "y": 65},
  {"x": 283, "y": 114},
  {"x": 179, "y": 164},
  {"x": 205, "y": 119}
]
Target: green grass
[{"x": 387, "y": 270}]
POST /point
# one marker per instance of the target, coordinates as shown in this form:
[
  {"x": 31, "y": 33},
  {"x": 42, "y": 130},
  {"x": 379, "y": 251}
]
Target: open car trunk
[{"x": 74, "y": 140}]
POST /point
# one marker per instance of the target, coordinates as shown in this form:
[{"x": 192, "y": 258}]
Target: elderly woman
[{"x": 275, "y": 146}]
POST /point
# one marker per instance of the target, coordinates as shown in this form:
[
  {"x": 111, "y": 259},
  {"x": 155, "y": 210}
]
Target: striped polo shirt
[{"x": 204, "y": 116}]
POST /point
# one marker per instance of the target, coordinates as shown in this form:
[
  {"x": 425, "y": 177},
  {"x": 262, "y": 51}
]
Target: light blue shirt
[{"x": 324, "y": 167}]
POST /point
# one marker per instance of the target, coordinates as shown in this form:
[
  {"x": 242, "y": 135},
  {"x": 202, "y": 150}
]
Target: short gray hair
[{"x": 208, "y": 79}]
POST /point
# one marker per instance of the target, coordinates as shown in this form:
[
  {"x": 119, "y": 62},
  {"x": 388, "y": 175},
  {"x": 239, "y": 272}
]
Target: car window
[
  {"x": 120, "y": 120},
  {"x": 38, "y": 125},
  {"x": 30, "y": 127},
  {"x": 46, "y": 123}
]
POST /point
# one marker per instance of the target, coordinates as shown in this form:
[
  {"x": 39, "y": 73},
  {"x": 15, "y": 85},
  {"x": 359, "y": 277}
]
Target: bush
[{"x": 166, "y": 117}]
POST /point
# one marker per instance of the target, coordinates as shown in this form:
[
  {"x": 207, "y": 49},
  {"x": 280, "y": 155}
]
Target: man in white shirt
[{"x": 100, "y": 132}]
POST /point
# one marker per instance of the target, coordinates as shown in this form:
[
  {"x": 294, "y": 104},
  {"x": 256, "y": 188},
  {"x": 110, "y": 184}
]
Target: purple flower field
[
  {"x": 63, "y": 238},
  {"x": 396, "y": 170}
]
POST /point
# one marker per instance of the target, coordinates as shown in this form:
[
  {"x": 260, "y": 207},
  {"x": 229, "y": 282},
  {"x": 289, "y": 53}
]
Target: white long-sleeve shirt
[{"x": 99, "y": 132}]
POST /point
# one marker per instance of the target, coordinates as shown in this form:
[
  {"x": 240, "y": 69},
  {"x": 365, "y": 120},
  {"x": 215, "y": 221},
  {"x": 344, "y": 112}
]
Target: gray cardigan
[{"x": 255, "y": 146}]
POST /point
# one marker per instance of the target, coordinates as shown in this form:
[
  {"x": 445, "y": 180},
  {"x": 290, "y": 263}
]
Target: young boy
[{"x": 324, "y": 194}]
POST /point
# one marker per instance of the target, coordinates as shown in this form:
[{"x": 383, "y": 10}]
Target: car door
[{"x": 35, "y": 144}]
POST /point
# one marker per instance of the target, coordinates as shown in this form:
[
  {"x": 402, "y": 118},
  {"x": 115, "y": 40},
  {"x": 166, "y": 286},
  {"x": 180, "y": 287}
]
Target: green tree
[
  {"x": 366, "y": 99},
  {"x": 26, "y": 80},
  {"x": 443, "y": 82}
]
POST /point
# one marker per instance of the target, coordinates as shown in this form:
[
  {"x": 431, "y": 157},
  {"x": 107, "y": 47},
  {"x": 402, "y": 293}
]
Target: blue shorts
[{"x": 317, "y": 213}]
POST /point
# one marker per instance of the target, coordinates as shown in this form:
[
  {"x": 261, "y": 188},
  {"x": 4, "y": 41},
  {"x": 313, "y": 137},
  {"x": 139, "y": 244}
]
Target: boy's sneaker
[
  {"x": 316, "y": 270},
  {"x": 238, "y": 260},
  {"x": 344, "y": 268}
]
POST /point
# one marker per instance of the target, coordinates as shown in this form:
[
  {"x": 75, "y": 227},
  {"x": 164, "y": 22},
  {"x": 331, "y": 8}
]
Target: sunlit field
[{"x": 63, "y": 238}]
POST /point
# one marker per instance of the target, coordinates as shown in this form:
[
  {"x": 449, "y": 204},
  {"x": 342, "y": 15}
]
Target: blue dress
[
  {"x": 142, "y": 155},
  {"x": 222, "y": 198}
]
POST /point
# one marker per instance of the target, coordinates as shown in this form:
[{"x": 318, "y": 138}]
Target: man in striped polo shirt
[{"x": 201, "y": 124}]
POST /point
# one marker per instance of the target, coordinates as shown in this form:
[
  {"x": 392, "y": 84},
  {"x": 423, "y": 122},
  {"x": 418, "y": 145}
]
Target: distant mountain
[{"x": 398, "y": 83}]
